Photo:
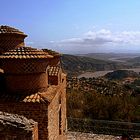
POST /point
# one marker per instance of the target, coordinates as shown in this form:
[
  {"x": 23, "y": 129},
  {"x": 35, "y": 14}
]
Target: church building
[{"x": 32, "y": 85}]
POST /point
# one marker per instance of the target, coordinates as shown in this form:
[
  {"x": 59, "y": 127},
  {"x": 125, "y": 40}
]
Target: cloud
[
  {"x": 130, "y": 37},
  {"x": 104, "y": 38},
  {"x": 98, "y": 41},
  {"x": 92, "y": 39}
]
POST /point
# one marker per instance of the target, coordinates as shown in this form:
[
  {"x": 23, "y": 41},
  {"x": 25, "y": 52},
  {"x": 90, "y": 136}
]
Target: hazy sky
[{"x": 76, "y": 26}]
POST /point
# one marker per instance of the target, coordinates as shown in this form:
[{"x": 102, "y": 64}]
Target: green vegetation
[
  {"x": 121, "y": 74},
  {"x": 102, "y": 100},
  {"x": 135, "y": 86},
  {"x": 108, "y": 104}
]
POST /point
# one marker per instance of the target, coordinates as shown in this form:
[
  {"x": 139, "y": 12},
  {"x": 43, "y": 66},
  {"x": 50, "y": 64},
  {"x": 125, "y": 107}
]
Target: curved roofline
[
  {"x": 25, "y": 53},
  {"x": 4, "y": 29}
]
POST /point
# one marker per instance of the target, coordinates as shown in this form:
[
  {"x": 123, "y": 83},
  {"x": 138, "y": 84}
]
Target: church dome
[
  {"x": 10, "y": 38},
  {"x": 10, "y": 30}
]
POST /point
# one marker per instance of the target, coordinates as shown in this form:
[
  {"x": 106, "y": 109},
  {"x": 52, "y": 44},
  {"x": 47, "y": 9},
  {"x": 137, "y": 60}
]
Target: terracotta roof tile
[
  {"x": 51, "y": 52},
  {"x": 33, "y": 98},
  {"x": 53, "y": 70},
  {"x": 11, "y": 30},
  {"x": 25, "y": 53}
]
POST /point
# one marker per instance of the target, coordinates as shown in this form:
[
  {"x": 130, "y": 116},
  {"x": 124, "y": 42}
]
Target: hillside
[
  {"x": 111, "y": 56},
  {"x": 101, "y": 99},
  {"x": 75, "y": 65},
  {"x": 120, "y": 74},
  {"x": 134, "y": 61},
  {"x": 98, "y": 85}
]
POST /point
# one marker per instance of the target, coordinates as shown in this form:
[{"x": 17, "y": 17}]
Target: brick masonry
[
  {"x": 51, "y": 117},
  {"x": 57, "y": 115},
  {"x": 25, "y": 72}
]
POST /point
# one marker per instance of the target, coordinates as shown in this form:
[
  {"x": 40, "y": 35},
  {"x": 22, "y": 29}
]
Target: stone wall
[
  {"x": 15, "y": 127},
  {"x": 91, "y": 136},
  {"x": 35, "y": 111}
]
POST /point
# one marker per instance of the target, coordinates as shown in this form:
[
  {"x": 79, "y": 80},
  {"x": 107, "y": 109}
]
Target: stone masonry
[
  {"x": 91, "y": 136},
  {"x": 15, "y": 127}
]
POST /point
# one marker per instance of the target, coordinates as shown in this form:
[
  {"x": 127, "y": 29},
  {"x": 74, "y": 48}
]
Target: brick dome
[
  {"x": 25, "y": 68},
  {"x": 10, "y": 38},
  {"x": 10, "y": 30}
]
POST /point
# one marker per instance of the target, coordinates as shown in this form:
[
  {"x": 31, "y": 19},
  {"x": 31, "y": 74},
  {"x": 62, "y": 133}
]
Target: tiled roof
[
  {"x": 33, "y": 98},
  {"x": 25, "y": 53},
  {"x": 51, "y": 52},
  {"x": 10, "y": 30},
  {"x": 40, "y": 97},
  {"x": 53, "y": 70}
]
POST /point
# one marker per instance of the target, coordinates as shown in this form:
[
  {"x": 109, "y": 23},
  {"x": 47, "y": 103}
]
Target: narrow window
[{"x": 60, "y": 121}]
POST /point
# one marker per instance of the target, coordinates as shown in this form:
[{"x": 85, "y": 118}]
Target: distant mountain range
[
  {"x": 111, "y": 56},
  {"x": 75, "y": 65}
]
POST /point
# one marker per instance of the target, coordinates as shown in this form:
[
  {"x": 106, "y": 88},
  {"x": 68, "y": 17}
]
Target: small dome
[
  {"x": 25, "y": 53},
  {"x": 10, "y": 30}
]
